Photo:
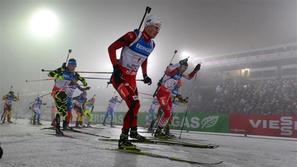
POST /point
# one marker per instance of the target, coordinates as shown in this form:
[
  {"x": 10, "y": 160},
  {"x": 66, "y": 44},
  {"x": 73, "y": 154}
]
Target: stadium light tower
[{"x": 44, "y": 23}]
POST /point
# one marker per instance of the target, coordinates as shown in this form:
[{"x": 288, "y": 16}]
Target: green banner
[
  {"x": 195, "y": 121},
  {"x": 205, "y": 122}
]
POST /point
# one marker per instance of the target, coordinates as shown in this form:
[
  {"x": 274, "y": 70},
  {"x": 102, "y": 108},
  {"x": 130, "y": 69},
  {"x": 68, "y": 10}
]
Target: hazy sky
[{"x": 88, "y": 27}]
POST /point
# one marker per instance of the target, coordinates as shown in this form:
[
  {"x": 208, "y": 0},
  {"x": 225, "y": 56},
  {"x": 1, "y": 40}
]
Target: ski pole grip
[{"x": 148, "y": 9}]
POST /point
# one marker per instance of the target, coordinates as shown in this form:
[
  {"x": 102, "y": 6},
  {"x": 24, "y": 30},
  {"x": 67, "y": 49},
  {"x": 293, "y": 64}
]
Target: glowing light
[
  {"x": 185, "y": 54},
  {"x": 245, "y": 72},
  {"x": 44, "y": 23}
]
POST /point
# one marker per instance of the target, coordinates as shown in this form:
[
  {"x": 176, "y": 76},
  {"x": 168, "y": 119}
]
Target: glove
[
  {"x": 64, "y": 65},
  {"x": 186, "y": 100},
  {"x": 84, "y": 82},
  {"x": 184, "y": 62},
  {"x": 117, "y": 73},
  {"x": 87, "y": 88},
  {"x": 197, "y": 68},
  {"x": 147, "y": 80}
]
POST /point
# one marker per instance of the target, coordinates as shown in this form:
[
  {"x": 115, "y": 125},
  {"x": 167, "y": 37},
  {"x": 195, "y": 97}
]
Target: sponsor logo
[
  {"x": 196, "y": 122},
  {"x": 148, "y": 50},
  {"x": 285, "y": 124}
]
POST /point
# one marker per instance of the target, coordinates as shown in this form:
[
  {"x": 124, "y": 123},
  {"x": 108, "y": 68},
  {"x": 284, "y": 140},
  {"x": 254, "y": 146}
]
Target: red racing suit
[
  {"x": 136, "y": 47},
  {"x": 164, "y": 95}
]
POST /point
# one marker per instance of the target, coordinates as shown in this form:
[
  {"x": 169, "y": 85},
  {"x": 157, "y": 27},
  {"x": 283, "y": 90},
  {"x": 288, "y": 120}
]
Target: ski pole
[
  {"x": 45, "y": 94},
  {"x": 105, "y": 78},
  {"x": 160, "y": 81},
  {"x": 90, "y": 72},
  {"x": 188, "y": 107},
  {"x": 38, "y": 80}
]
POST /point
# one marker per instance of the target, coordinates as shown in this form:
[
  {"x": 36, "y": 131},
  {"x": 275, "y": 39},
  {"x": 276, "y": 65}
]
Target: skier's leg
[
  {"x": 106, "y": 115},
  {"x": 61, "y": 104},
  {"x": 164, "y": 98},
  {"x": 111, "y": 117},
  {"x": 38, "y": 115},
  {"x": 34, "y": 118},
  {"x": 133, "y": 105},
  {"x": 9, "y": 116}
]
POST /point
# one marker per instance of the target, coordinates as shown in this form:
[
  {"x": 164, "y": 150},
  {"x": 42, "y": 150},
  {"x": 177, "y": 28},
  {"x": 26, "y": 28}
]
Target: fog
[{"x": 201, "y": 28}]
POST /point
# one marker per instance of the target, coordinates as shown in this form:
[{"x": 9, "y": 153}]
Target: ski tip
[
  {"x": 213, "y": 146},
  {"x": 132, "y": 150}
]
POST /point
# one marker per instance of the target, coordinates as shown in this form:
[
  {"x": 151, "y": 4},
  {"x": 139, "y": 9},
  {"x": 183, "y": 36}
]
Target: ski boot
[
  {"x": 66, "y": 126},
  {"x": 150, "y": 129},
  {"x": 78, "y": 125},
  {"x": 59, "y": 132},
  {"x": 167, "y": 132},
  {"x": 160, "y": 134},
  {"x": 57, "y": 128},
  {"x": 135, "y": 135},
  {"x": 124, "y": 144},
  {"x": 9, "y": 120},
  {"x": 38, "y": 123}
]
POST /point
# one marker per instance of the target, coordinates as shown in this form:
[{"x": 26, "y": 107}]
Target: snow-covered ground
[{"x": 27, "y": 145}]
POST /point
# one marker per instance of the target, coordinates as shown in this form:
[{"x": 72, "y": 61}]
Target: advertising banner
[
  {"x": 269, "y": 125},
  {"x": 195, "y": 121}
]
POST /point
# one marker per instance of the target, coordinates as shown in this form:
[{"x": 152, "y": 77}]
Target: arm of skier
[
  {"x": 192, "y": 74},
  {"x": 144, "y": 68},
  {"x": 81, "y": 79},
  {"x": 57, "y": 74},
  {"x": 125, "y": 40}
]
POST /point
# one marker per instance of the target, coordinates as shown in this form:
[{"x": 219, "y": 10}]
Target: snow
[{"x": 25, "y": 145}]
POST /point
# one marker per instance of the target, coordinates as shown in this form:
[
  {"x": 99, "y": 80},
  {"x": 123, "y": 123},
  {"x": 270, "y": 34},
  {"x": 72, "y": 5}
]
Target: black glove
[
  {"x": 186, "y": 100},
  {"x": 184, "y": 62},
  {"x": 64, "y": 65},
  {"x": 197, "y": 68},
  {"x": 147, "y": 80},
  {"x": 117, "y": 73}
]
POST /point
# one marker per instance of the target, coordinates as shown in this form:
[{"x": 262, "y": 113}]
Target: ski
[
  {"x": 87, "y": 133},
  {"x": 47, "y": 128},
  {"x": 78, "y": 131},
  {"x": 89, "y": 127},
  {"x": 65, "y": 135},
  {"x": 149, "y": 154},
  {"x": 167, "y": 142}
]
